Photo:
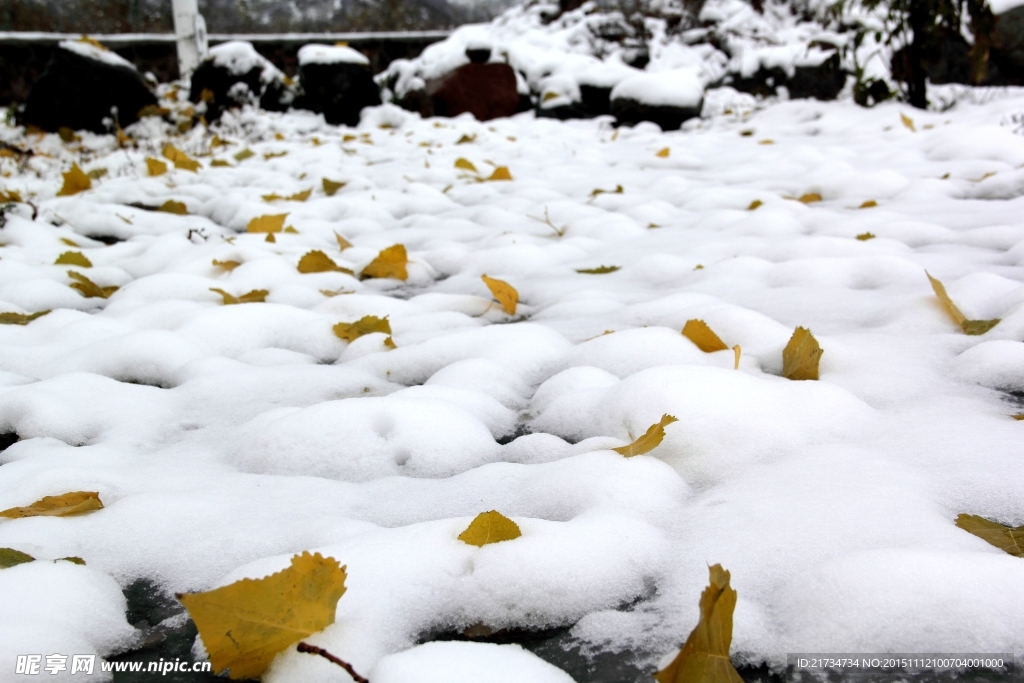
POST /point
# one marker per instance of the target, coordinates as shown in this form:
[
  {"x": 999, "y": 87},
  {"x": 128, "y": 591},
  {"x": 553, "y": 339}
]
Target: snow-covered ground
[{"x": 223, "y": 439}]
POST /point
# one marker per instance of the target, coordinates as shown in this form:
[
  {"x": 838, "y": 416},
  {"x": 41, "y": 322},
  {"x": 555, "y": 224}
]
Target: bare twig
[{"x": 314, "y": 650}]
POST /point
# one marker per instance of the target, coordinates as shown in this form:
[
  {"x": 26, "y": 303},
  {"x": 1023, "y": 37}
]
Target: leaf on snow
[
  {"x": 490, "y": 527},
  {"x": 971, "y": 327},
  {"x": 317, "y": 261},
  {"x": 155, "y": 166},
  {"x": 801, "y": 356},
  {"x": 65, "y": 505},
  {"x": 466, "y": 139},
  {"x": 505, "y": 293},
  {"x": 1008, "y": 539},
  {"x": 20, "y": 318},
  {"x": 651, "y": 439},
  {"x": 244, "y": 625},
  {"x": 10, "y": 557},
  {"x": 88, "y": 288},
  {"x": 705, "y": 655},
  {"x": 368, "y": 324},
  {"x": 226, "y": 265},
  {"x": 244, "y": 154},
  {"x": 465, "y": 164},
  {"x": 869, "y": 204},
  {"x": 270, "y": 223},
  {"x": 97, "y": 173},
  {"x": 256, "y": 296},
  {"x": 598, "y": 191},
  {"x": 332, "y": 186},
  {"x": 865, "y": 236},
  {"x": 754, "y": 204},
  {"x": 171, "y": 206},
  {"x": 180, "y": 159},
  {"x": 75, "y": 181},
  {"x": 600, "y": 270},
  {"x": 663, "y": 153},
  {"x": 390, "y": 262},
  {"x": 500, "y": 173},
  {"x": 908, "y": 122},
  {"x": 343, "y": 243},
  {"x": 700, "y": 334},
  {"x": 809, "y": 198},
  {"x": 73, "y": 258}
]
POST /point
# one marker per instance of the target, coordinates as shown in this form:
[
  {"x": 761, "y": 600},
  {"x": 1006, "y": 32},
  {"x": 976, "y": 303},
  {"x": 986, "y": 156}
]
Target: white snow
[
  {"x": 676, "y": 88},
  {"x": 1003, "y": 6},
  {"x": 224, "y": 439},
  {"x": 331, "y": 54},
  {"x": 239, "y": 57},
  {"x": 85, "y": 49}
]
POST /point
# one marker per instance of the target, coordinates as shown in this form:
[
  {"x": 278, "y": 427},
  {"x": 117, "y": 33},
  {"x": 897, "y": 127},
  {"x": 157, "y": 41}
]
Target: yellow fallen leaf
[
  {"x": 766, "y": 142},
  {"x": 343, "y": 243},
  {"x": 97, "y": 173},
  {"x": 500, "y": 173},
  {"x": 865, "y": 236},
  {"x": 869, "y": 204},
  {"x": 155, "y": 167},
  {"x": 88, "y": 288},
  {"x": 70, "y": 243},
  {"x": 700, "y": 334},
  {"x": 220, "y": 163},
  {"x": 269, "y": 223},
  {"x": 67, "y": 135},
  {"x": 171, "y": 206},
  {"x": 908, "y": 122},
  {"x": 226, "y": 265},
  {"x": 1008, "y": 539},
  {"x": 465, "y": 164},
  {"x": 244, "y": 625},
  {"x": 317, "y": 261},
  {"x": 274, "y": 155},
  {"x": 801, "y": 356},
  {"x": 20, "y": 318},
  {"x": 505, "y": 293},
  {"x": 705, "y": 655},
  {"x": 663, "y": 153},
  {"x": 332, "y": 186},
  {"x": 754, "y": 204},
  {"x": 10, "y": 195},
  {"x": 368, "y": 324},
  {"x": 244, "y": 154},
  {"x": 737, "y": 351},
  {"x": 810, "y": 198},
  {"x": 256, "y": 296},
  {"x": 73, "y": 258},
  {"x": 600, "y": 270},
  {"x": 390, "y": 262},
  {"x": 300, "y": 196},
  {"x": 64, "y": 505},
  {"x": 651, "y": 439},
  {"x": 598, "y": 191},
  {"x": 490, "y": 527},
  {"x": 466, "y": 139},
  {"x": 970, "y": 327},
  {"x": 180, "y": 159},
  {"x": 272, "y": 197},
  {"x": 75, "y": 181},
  {"x": 9, "y": 557}
]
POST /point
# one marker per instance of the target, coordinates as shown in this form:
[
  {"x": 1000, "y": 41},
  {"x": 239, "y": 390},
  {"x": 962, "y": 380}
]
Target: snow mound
[
  {"x": 90, "y": 51},
  {"x": 454, "y": 662},
  {"x": 331, "y": 54}
]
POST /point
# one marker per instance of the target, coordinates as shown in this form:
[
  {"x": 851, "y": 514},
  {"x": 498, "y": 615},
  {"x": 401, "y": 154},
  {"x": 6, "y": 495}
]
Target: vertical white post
[{"x": 190, "y": 29}]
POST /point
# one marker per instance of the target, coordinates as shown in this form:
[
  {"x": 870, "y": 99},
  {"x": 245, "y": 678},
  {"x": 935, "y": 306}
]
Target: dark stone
[
  {"x": 212, "y": 84},
  {"x": 7, "y": 440},
  {"x": 822, "y": 82},
  {"x": 595, "y": 100},
  {"x": 478, "y": 55},
  {"x": 487, "y": 91},
  {"x": 946, "y": 60},
  {"x": 78, "y": 92},
  {"x": 339, "y": 91},
  {"x": 629, "y": 112},
  {"x": 763, "y": 83},
  {"x": 1008, "y": 45}
]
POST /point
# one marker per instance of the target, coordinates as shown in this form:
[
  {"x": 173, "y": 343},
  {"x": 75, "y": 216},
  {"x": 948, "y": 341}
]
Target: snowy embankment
[{"x": 223, "y": 439}]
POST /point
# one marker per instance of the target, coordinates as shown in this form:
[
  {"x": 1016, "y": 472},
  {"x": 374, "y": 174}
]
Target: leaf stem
[{"x": 314, "y": 650}]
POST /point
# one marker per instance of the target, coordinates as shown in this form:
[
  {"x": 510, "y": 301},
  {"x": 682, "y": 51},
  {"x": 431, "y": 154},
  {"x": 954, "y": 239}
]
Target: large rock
[
  {"x": 1008, "y": 45},
  {"x": 819, "y": 75},
  {"x": 336, "y": 82},
  {"x": 234, "y": 74},
  {"x": 485, "y": 90},
  {"x": 84, "y": 84},
  {"x": 667, "y": 98}
]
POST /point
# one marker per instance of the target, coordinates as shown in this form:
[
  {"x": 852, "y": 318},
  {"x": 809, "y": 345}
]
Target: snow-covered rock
[
  {"x": 336, "y": 82},
  {"x": 233, "y": 74}
]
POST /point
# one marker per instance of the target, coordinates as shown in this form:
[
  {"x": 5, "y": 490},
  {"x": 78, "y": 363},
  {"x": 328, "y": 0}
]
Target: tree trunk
[{"x": 918, "y": 76}]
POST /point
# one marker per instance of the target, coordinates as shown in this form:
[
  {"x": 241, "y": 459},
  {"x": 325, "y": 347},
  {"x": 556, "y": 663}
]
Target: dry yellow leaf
[
  {"x": 810, "y": 198},
  {"x": 754, "y": 204},
  {"x": 1008, "y": 539},
  {"x": 67, "y": 135},
  {"x": 180, "y": 159},
  {"x": 10, "y": 195},
  {"x": 598, "y": 191},
  {"x": 226, "y": 265},
  {"x": 465, "y": 164},
  {"x": 700, "y": 334},
  {"x": 490, "y": 527},
  {"x": 343, "y": 243},
  {"x": 869, "y": 204},
  {"x": 64, "y": 505},
  {"x": 97, "y": 173},
  {"x": 368, "y": 324},
  {"x": 332, "y": 186},
  {"x": 766, "y": 142},
  {"x": 737, "y": 351},
  {"x": 651, "y": 439},
  {"x": 390, "y": 262},
  {"x": 663, "y": 153},
  {"x": 246, "y": 624},
  {"x": 88, "y": 288},
  {"x": 865, "y": 236},
  {"x": 908, "y": 122},
  {"x": 300, "y": 196},
  {"x": 220, "y": 163},
  {"x": 600, "y": 270},
  {"x": 155, "y": 166},
  {"x": 244, "y": 154},
  {"x": 9, "y": 557},
  {"x": 801, "y": 356},
  {"x": 466, "y": 139},
  {"x": 75, "y": 181},
  {"x": 500, "y": 173},
  {"x": 317, "y": 261},
  {"x": 269, "y": 223},
  {"x": 73, "y": 258},
  {"x": 20, "y": 318},
  {"x": 505, "y": 293},
  {"x": 705, "y": 655},
  {"x": 171, "y": 206},
  {"x": 274, "y": 155},
  {"x": 971, "y": 327},
  {"x": 256, "y": 296}
]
